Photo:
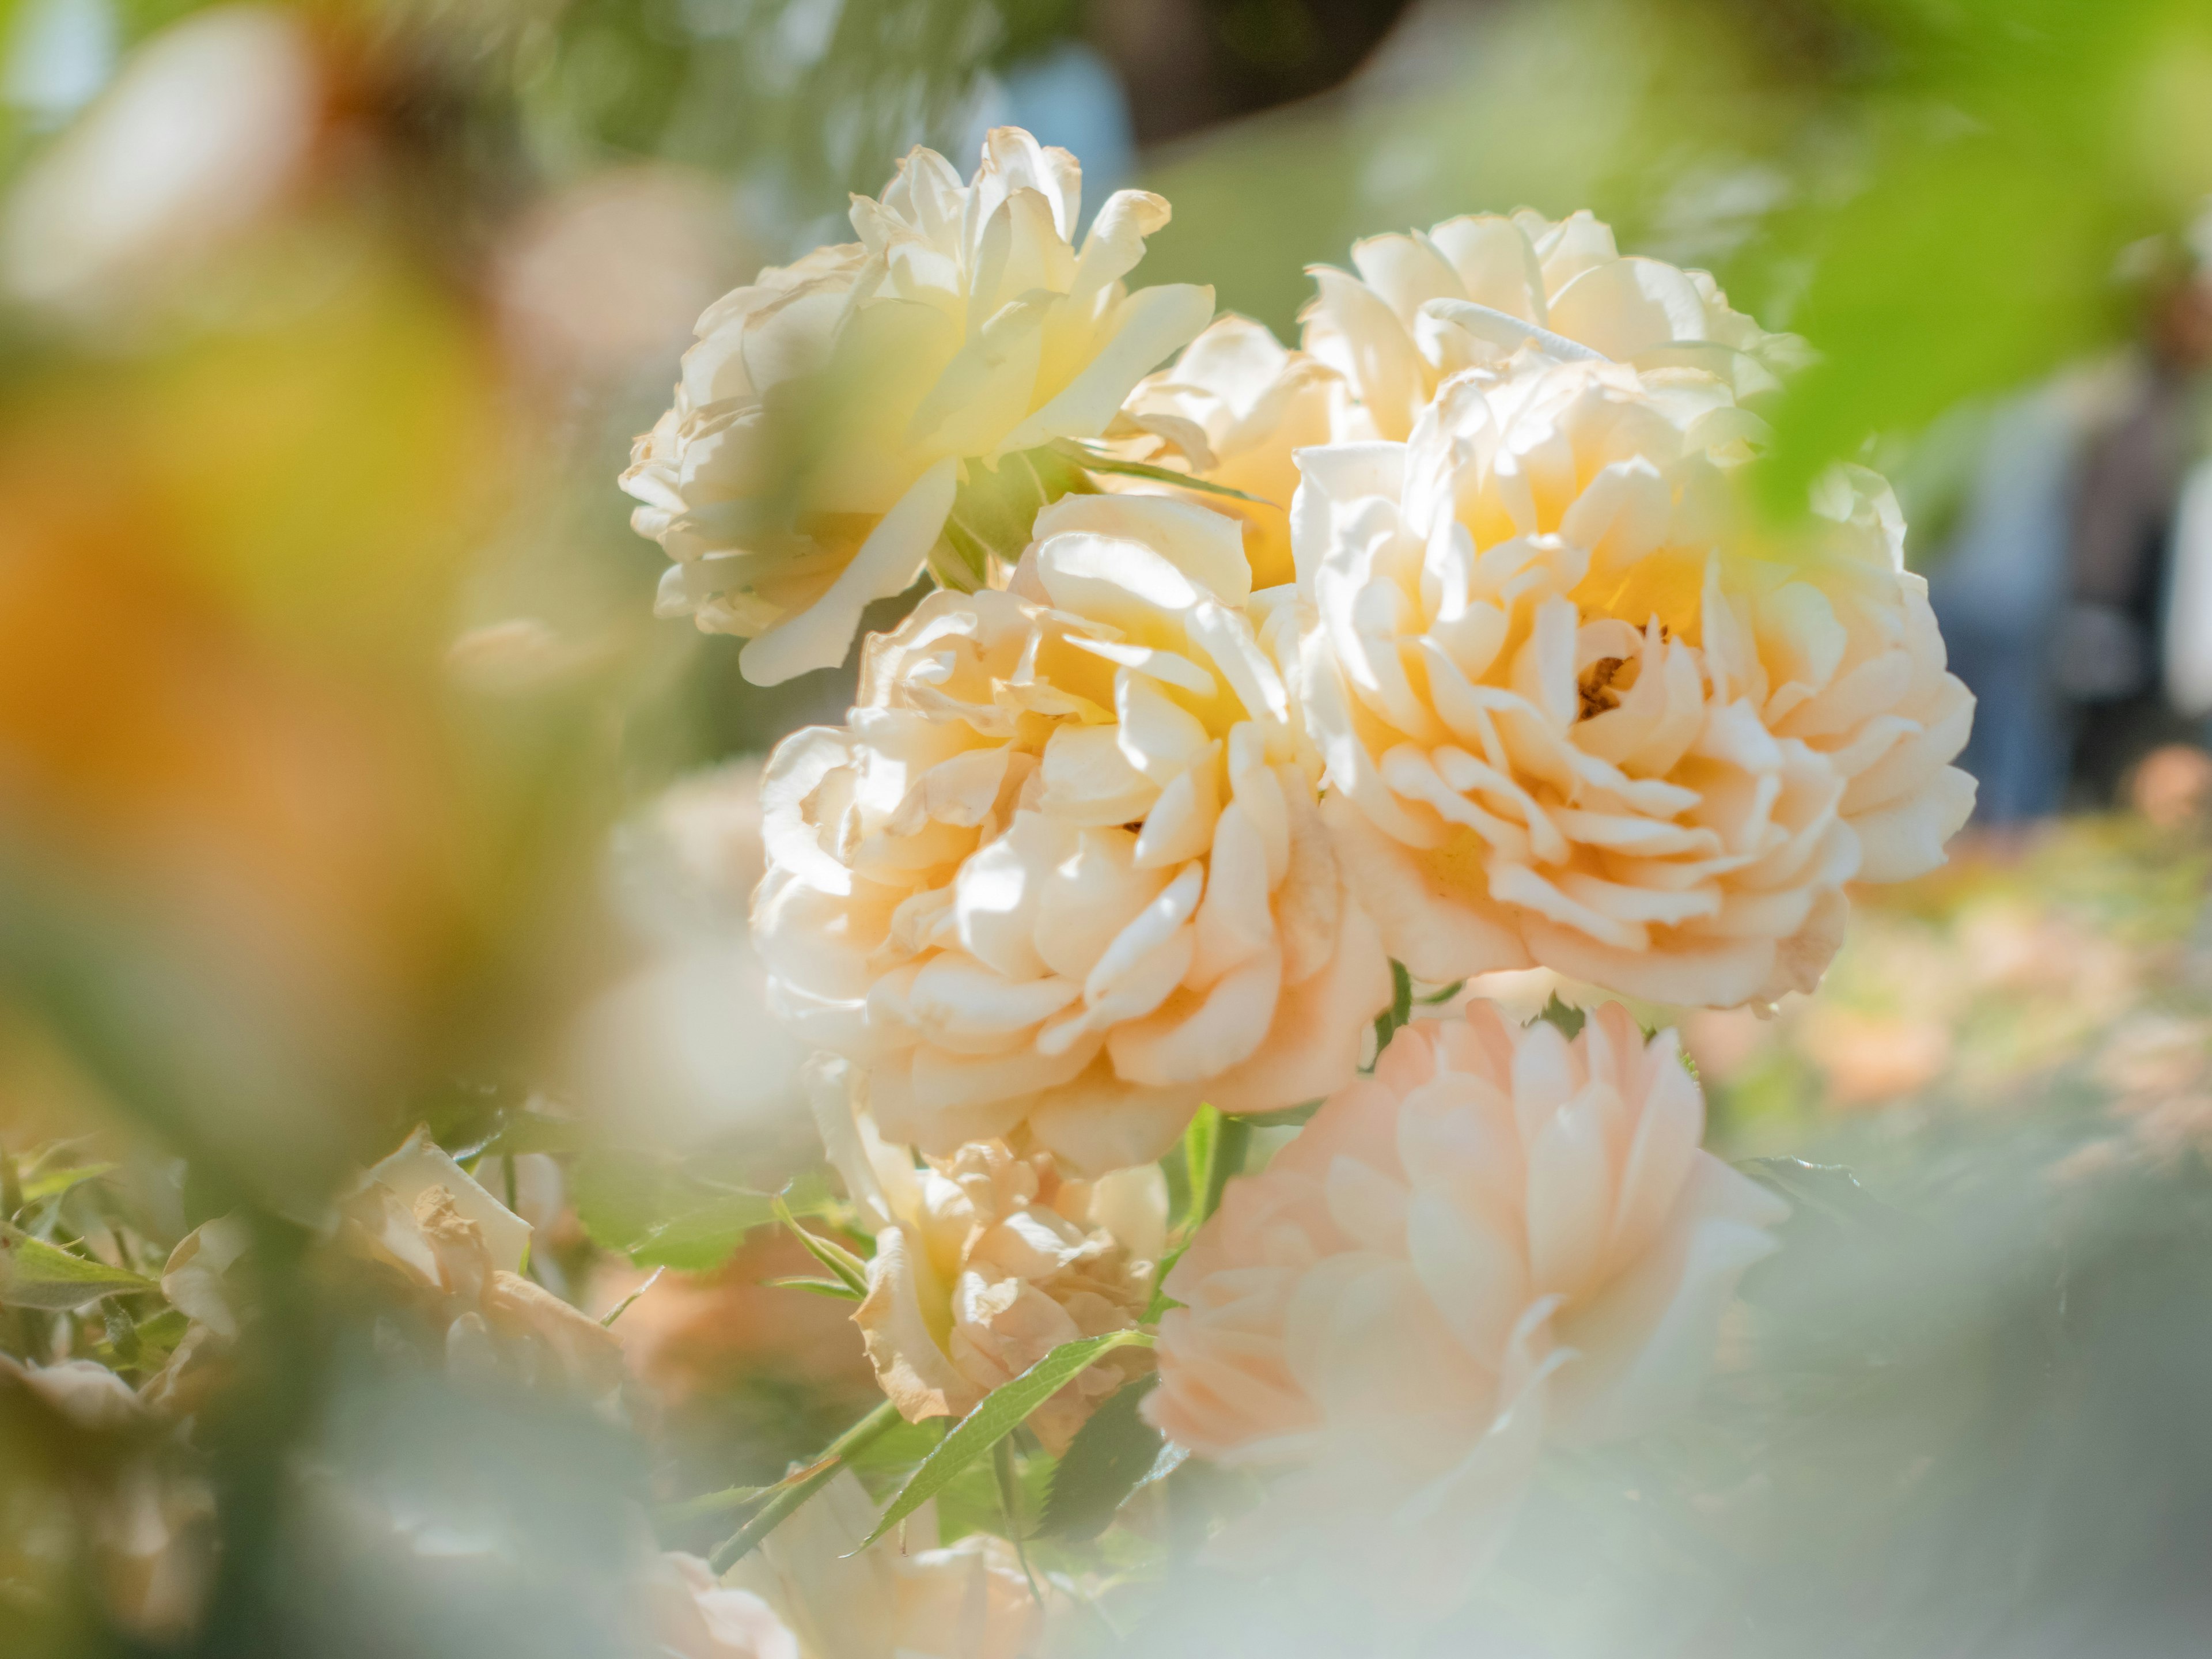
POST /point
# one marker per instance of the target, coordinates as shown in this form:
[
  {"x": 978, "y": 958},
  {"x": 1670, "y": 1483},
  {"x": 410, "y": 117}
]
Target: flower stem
[{"x": 788, "y": 1496}]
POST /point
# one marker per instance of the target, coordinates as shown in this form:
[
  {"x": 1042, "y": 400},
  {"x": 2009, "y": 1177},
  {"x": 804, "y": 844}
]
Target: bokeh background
[{"x": 347, "y": 782}]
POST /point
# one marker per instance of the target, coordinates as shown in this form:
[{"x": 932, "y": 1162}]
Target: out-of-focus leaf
[
  {"x": 1827, "y": 1190},
  {"x": 836, "y": 1288},
  {"x": 1001, "y": 1411},
  {"x": 1111, "y": 1456},
  {"x": 1568, "y": 1018},
  {"x": 1201, "y": 1145},
  {"x": 53, "y": 1183},
  {"x": 1386, "y": 1023},
  {"x": 660, "y": 1215},
  {"x": 37, "y": 1274},
  {"x": 624, "y": 1306}
]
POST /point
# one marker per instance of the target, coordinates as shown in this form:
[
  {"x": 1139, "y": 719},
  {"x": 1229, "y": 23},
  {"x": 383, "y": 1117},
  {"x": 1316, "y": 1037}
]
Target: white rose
[
  {"x": 1063, "y": 879},
  {"x": 1581, "y": 709},
  {"x": 831, "y": 409},
  {"x": 1472, "y": 290},
  {"x": 1501, "y": 1235}
]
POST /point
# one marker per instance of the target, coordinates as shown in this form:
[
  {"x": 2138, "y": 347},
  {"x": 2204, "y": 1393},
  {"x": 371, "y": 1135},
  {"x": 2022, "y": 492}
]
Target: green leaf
[
  {"x": 1444, "y": 994},
  {"x": 796, "y": 1488},
  {"x": 1092, "y": 461},
  {"x": 661, "y": 1214},
  {"x": 1565, "y": 1016},
  {"x": 1111, "y": 1456},
  {"x": 995, "y": 507},
  {"x": 52, "y": 1183},
  {"x": 1290, "y": 1117},
  {"x": 1388, "y": 1023},
  {"x": 1201, "y": 1146},
  {"x": 37, "y": 1274},
  {"x": 850, "y": 1270},
  {"x": 1000, "y": 1411},
  {"x": 1162, "y": 1301},
  {"x": 830, "y": 1287}
]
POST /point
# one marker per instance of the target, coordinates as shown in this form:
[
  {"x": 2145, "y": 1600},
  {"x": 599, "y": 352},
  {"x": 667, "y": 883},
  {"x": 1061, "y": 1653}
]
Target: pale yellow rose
[
  {"x": 1473, "y": 289},
  {"x": 831, "y": 409},
  {"x": 986, "y": 1261},
  {"x": 1501, "y": 1235},
  {"x": 1063, "y": 877},
  {"x": 1582, "y": 710},
  {"x": 1233, "y": 410}
]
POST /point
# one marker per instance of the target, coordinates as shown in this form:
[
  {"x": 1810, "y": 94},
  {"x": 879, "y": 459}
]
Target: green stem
[{"x": 787, "y": 1499}]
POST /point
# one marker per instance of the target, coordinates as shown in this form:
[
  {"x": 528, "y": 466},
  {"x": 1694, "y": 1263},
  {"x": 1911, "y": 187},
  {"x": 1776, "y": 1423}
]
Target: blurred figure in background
[{"x": 2076, "y": 594}]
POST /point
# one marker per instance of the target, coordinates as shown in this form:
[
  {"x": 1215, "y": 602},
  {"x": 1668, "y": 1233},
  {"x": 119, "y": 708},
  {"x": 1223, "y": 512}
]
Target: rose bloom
[
  {"x": 1063, "y": 877},
  {"x": 986, "y": 1260},
  {"x": 831, "y": 409},
  {"x": 899, "y": 1599},
  {"x": 1233, "y": 409},
  {"x": 144, "y": 1531},
  {"x": 1502, "y": 1235},
  {"x": 1580, "y": 710},
  {"x": 1471, "y": 290},
  {"x": 450, "y": 1249},
  {"x": 692, "y": 1616}
]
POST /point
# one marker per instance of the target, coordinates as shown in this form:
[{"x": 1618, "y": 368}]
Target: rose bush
[
  {"x": 826, "y": 418},
  {"x": 1582, "y": 708},
  {"x": 1501, "y": 1235},
  {"x": 1063, "y": 877}
]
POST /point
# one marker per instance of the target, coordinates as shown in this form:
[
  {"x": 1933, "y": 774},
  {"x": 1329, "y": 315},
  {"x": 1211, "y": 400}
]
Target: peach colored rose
[
  {"x": 1581, "y": 709},
  {"x": 1234, "y": 409},
  {"x": 901, "y": 1599},
  {"x": 1501, "y": 1235},
  {"x": 986, "y": 1260},
  {"x": 1063, "y": 879},
  {"x": 830, "y": 410},
  {"x": 1472, "y": 290},
  {"x": 695, "y": 1617}
]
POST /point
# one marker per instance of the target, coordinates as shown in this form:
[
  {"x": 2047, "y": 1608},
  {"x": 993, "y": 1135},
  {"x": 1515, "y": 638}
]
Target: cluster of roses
[{"x": 1453, "y": 638}]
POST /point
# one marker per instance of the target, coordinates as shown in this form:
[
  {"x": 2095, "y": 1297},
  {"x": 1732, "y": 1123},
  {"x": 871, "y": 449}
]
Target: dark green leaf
[
  {"x": 1110, "y": 1457},
  {"x": 36, "y": 1274},
  {"x": 1388, "y": 1023},
  {"x": 1001, "y": 1411},
  {"x": 1564, "y": 1015}
]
